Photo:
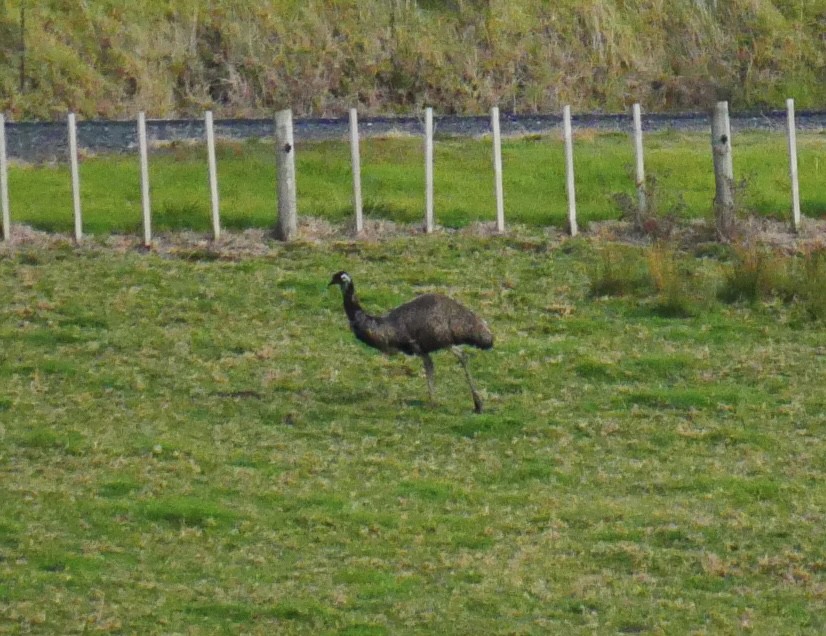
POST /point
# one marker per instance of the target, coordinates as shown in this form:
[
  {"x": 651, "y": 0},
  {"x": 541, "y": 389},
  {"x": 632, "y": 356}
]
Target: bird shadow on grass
[
  {"x": 241, "y": 394},
  {"x": 449, "y": 408},
  {"x": 419, "y": 403},
  {"x": 350, "y": 396}
]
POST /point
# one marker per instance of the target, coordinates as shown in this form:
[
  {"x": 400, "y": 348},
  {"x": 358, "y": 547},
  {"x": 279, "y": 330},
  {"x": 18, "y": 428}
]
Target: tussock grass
[
  {"x": 618, "y": 272},
  {"x": 201, "y": 446},
  {"x": 757, "y": 273},
  {"x": 670, "y": 282},
  {"x": 752, "y": 275}
]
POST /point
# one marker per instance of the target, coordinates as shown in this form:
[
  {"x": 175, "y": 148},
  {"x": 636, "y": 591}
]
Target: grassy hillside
[{"x": 110, "y": 58}]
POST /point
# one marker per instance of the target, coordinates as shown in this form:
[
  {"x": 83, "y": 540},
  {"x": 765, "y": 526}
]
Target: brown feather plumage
[{"x": 427, "y": 323}]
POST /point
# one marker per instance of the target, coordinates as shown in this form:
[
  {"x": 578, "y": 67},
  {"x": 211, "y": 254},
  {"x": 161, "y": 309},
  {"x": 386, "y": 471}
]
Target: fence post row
[
  {"x": 144, "y": 163},
  {"x": 792, "y": 136},
  {"x": 355, "y": 160},
  {"x": 75, "y": 177},
  {"x": 285, "y": 229},
  {"x": 724, "y": 200},
  {"x": 213, "y": 175},
  {"x": 4, "y": 182}
]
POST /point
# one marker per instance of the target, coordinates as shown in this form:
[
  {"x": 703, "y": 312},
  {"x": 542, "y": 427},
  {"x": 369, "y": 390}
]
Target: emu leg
[
  {"x": 477, "y": 401},
  {"x": 428, "y": 370}
]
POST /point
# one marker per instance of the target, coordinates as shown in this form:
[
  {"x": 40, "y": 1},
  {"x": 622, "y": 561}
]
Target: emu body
[{"x": 426, "y": 324}]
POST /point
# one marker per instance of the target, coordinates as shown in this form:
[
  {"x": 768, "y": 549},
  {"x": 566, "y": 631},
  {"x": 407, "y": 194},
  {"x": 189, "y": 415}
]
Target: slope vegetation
[{"x": 110, "y": 59}]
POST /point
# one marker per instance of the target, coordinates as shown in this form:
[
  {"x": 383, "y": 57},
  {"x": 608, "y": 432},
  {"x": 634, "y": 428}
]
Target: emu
[{"x": 427, "y": 323}]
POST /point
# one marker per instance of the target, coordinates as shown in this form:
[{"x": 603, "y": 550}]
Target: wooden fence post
[
  {"x": 428, "y": 170},
  {"x": 723, "y": 171},
  {"x": 497, "y": 169},
  {"x": 642, "y": 199},
  {"x": 792, "y": 136},
  {"x": 355, "y": 161},
  {"x": 144, "y": 163},
  {"x": 213, "y": 175},
  {"x": 569, "y": 170},
  {"x": 286, "y": 227},
  {"x": 75, "y": 177},
  {"x": 4, "y": 182}
]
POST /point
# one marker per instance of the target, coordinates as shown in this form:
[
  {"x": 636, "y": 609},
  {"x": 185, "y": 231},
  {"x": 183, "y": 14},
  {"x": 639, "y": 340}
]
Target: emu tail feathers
[
  {"x": 479, "y": 336},
  {"x": 484, "y": 338}
]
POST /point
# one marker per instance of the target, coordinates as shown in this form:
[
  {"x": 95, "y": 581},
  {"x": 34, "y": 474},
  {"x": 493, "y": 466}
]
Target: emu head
[{"x": 342, "y": 279}]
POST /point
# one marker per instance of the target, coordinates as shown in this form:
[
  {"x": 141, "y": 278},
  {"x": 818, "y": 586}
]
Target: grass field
[
  {"x": 191, "y": 444},
  {"x": 393, "y": 178}
]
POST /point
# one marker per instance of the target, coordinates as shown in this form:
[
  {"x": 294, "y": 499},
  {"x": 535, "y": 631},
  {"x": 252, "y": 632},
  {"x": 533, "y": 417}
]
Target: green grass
[
  {"x": 202, "y": 447},
  {"x": 393, "y": 177}
]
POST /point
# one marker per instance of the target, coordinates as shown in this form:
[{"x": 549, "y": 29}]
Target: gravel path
[{"x": 47, "y": 141}]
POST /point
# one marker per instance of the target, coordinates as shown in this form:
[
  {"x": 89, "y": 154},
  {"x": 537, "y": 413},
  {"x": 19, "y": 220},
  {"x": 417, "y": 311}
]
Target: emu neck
[
  {"x": 351, "y": 303},
  {"x": 372, "y": 331}
]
